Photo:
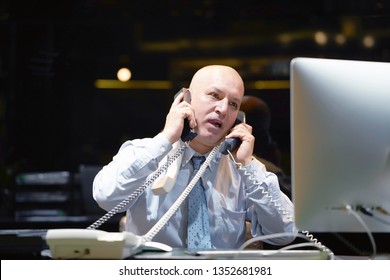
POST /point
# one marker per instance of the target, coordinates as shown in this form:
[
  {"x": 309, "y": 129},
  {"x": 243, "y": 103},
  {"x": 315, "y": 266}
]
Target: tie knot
[{"x": 197, "y": 161}]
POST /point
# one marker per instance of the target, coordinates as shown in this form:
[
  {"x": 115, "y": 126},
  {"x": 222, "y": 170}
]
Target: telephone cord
[
  {"x": 138, "y": 191},
  {"x": 279, "y": 206},
  {"x": 305, "y": 235},
  {"x": 251, "y": 177},
  {"x": 318, "y": 243},
  {"x": 164, "y": 219}
]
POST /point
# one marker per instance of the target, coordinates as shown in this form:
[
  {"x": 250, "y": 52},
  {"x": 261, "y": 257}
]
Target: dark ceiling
[{"x": 52, "y": 52}]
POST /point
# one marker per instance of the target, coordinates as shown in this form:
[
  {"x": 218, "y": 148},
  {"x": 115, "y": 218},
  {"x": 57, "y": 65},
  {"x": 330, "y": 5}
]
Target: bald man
[{"x": 236, "y": 187}]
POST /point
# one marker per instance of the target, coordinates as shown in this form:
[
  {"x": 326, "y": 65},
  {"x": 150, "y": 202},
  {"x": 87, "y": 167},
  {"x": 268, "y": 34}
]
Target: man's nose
[{"x": 222, "y": 107}]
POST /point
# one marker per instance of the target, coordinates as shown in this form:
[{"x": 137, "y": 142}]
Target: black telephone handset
[
  {"x": 231, "y": 144},
  {"x": 188, "y": 134}
]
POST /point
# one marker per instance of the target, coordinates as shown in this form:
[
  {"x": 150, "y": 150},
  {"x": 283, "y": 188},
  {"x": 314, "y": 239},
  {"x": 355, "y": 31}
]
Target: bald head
[
  {"x": 218, "y": 75},
  {"x": 216, "y": 95}
]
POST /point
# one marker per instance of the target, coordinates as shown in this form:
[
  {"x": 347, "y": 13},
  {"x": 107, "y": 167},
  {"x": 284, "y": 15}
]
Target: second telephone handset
[{"x": 188, "y": 133}]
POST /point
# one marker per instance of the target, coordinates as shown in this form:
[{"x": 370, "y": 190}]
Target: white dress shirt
[{"x": 232, "y": 197}]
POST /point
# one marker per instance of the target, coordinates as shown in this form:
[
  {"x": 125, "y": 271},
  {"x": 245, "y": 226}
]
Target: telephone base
[{"x": 92, "y": 244}]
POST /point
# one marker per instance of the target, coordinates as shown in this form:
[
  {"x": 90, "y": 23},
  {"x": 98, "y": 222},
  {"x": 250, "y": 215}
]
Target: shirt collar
[{"x": 189, "y": 153}]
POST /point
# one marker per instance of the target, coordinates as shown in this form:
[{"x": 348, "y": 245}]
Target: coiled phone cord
[
  {"x": 318, "y": 243},
  {"x": 138, "y": 191},
  {"x": 281, "y": 209},
  {"x": 164, "y": 219}
]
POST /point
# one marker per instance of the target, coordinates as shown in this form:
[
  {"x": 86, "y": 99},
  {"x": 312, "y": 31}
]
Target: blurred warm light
[
  {"x": 262, "y": 84},
  {"x": 340, "y": 39},
  {"x": 368, "y": 41},
  {"x": 115, "y": 84},
  {"x": 321, "y": 38},
  {"x": 167, "y": 85},
  {"x": 123, "y": 74},
  {"x": 349, "y": 26},
  {"x": 285, "y": 39}
]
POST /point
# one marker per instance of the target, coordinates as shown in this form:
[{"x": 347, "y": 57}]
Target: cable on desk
[{"x": 312, "y": 242}]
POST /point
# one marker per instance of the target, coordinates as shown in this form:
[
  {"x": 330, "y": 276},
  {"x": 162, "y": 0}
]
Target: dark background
[{"x": 52, "y": 117}]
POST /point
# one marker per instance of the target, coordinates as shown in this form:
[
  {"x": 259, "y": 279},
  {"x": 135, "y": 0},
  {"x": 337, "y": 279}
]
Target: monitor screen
[{"x": 340, "y": 144}]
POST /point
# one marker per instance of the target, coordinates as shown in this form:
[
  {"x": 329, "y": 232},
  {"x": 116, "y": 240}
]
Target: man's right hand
[{"x": 174, "y": 121}]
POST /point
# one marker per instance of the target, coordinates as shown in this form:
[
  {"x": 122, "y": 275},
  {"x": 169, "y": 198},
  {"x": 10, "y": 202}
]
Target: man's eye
[
  {"x": 215, "y": 95},
  {"x": 233, "y": 104}
]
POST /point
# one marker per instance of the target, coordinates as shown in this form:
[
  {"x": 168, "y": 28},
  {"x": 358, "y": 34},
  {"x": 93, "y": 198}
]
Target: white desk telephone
[{"x": 97, "y": 244}]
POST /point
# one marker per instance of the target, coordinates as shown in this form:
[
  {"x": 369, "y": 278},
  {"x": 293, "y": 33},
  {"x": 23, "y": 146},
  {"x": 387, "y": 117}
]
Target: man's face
[{"x": 216, "y": 99}]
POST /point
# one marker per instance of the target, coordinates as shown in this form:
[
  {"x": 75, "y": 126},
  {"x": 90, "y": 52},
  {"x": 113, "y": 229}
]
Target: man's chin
[
  {"x": 207, "y": 141},
  {"x": 212, "y": 141}
]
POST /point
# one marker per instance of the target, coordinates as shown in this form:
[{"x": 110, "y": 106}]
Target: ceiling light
[
  {"x": 123, "y": 74},
  {"x": 321, "y": 38}
]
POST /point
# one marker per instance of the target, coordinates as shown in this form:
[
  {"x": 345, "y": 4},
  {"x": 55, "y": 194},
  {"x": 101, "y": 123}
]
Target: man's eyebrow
[
  {"x": 217, "y": 90},
  {"x": 214, "y": 89}
]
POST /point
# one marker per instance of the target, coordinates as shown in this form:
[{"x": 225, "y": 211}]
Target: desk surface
[
  {"x": 184, "y": 254},
  {"x": 31, "y": 244}
]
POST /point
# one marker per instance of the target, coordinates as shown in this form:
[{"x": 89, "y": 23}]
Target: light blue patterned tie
[{"x": 198, "y": 218}]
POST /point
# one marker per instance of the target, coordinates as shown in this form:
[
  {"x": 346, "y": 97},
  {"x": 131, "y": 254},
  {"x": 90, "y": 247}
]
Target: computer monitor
[{"x": 340, "y": 144}]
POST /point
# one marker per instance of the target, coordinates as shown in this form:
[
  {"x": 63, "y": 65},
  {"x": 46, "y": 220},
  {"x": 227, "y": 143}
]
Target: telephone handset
[
  {"x": 188, "y": 133},
  {"x": 231, "y": 144}
]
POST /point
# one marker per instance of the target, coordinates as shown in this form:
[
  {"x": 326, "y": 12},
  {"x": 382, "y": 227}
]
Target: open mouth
[{"x": 216, "y": 123}]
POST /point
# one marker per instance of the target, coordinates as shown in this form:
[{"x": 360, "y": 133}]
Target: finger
[
  {"x": 178, "y": 99},
  {"x": 240, "y": 131},
  {"x": 247, "y": 127},
  {"x": 190, "y": 115}
]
